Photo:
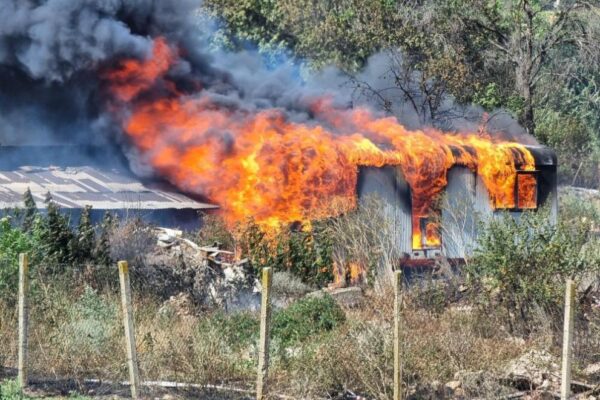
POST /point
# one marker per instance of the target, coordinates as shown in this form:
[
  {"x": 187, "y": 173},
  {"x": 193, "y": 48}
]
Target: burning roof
[{"x": 76, "y": 187}]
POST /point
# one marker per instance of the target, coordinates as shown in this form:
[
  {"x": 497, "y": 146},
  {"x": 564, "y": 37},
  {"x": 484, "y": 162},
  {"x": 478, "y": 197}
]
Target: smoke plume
[{"x": 261, "y": 140}]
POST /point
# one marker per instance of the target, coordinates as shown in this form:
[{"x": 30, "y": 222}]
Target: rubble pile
[{"x": 208, "y": 276}]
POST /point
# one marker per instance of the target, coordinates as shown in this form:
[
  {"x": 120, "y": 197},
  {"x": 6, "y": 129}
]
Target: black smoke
[{"x": 53, "y": 52}]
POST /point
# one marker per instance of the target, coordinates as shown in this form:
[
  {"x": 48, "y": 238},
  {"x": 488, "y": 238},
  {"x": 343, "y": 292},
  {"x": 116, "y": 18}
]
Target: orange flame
[{"x": 261, "y": 165}]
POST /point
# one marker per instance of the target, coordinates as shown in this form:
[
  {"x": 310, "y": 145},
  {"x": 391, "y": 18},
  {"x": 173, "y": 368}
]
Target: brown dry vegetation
[
  {"x": 451, "y": 327},
  {"x": 67, "y": 340}
]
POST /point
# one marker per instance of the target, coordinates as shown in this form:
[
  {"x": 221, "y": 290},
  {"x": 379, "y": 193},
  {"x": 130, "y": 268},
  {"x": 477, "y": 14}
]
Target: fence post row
[
  {"x": 397, "y": 333},
  {"x": 265, "y": 322},
  {"x": 22, "y": 378},
  {"x": 565, "y": 387},
  {"x": 134, "y": 375}
]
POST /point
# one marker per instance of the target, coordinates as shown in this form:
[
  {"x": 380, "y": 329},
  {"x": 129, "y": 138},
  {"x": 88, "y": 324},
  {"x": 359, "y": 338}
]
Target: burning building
[
  {"x": 448, "y": 227},
  {"x": 253, "y": 137}
]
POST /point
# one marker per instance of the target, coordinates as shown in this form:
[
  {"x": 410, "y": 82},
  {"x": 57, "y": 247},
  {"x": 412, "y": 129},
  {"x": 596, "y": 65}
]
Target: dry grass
[
  {"x": 358, "y": 357},
  {"x": 8, "y": 336},
  {"x": 77, "y": 333}
]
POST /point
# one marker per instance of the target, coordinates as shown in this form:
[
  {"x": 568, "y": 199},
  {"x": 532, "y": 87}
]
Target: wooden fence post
[
  {"x": 397, "y": 337},
  {"x": 265, "y": 322},
  {"x": 565, "y": 386},
  {"x": 134, "y": 375},
  {"x": 23, "y": 320}
]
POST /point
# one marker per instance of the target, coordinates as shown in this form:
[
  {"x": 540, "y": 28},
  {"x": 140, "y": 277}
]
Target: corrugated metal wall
[
  {"x": 389, "y": 185},
  {"x": 458, "y": 213}
]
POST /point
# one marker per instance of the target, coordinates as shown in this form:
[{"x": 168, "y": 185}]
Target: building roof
[{"x": 76, "y": 187}]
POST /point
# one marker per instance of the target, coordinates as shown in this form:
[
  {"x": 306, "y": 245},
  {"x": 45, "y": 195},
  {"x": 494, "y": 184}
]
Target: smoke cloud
[{"x": 53, "y": 52}]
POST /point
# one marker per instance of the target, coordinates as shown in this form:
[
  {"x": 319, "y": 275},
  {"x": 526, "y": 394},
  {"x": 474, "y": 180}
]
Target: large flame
[{"x": 262, "y": 165}]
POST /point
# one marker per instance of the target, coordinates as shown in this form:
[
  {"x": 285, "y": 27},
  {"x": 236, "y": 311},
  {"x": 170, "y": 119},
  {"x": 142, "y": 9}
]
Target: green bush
[
  {"x": 305, "y": 318},
  {"x": 305, "y": 253},
  {"x": 91, "y": 321},
  {"x": 10, "y": 390},
  {"x": 521, "y": 265},
  {"x": 12, "y": 242},
  {"x": 238, "y": 330}
]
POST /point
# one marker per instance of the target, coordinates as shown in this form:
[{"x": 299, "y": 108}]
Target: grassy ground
[
  {"x": 318, "y": 349},
  {"x": 313, "y": 354}
]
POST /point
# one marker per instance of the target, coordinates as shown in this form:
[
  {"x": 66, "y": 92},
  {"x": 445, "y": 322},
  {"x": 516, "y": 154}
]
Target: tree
[
  {"x": 102, "y": 251},
  {"x": 523, "y": 34},
  {"x": 82, "y": 245},
  {"x": 344, "y": 33},
  {"x": 56, "y": 234},
  {"x": 31, "y": 211}
]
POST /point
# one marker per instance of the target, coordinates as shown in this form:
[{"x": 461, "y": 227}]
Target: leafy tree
[
  {"x": 524, "y": 36},
  {"x": 344, "y": 32}
]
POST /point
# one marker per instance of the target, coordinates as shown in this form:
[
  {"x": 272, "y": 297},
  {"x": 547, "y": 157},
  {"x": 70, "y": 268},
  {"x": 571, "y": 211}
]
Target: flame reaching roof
[{"x": 259, "y": 163}]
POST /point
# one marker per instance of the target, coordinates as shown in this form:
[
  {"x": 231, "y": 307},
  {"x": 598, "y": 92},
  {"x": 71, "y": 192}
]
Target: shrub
[
  {"x": 305, "y": 253},
  {"x": 285, "y": 284},
  {"x": 131, "y": 240},
  {"x": 83, "y": 243},
  {"x": 55, "y": 234},
  {"x": 576, "y": 144},
  {"x": 307, "y": 317},
  {"x": 238, "y": 330},
  {"x": 365, "y": 236},
  {"x": 521, "y": 265},
  {"x": 10, "y": 390},
  {"x": 12, "y": 242},
  {"x": 91, "y": 321},
  {"x": 102, "y": 247},
  {"x": 214, "y": 230}
]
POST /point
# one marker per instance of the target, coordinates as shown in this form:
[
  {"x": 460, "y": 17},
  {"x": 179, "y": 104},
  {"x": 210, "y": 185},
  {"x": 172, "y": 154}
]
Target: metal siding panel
[
  {"x": 388, "y": 184},
  {"x": 458, "y": 213},
  {"x": 483, "y": 206}
]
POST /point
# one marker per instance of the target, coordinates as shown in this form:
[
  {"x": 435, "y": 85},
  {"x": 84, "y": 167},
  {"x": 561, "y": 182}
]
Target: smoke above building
[{"x": 256, "y": 138}]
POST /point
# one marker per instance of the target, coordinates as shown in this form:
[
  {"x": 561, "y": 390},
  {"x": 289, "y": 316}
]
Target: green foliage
[
  {"x": 12, "y": 242},
  {"x": 344, "y": 33},
  {"x": 82, "y": 245},
  {"x": 521, "y": 265},
  {"x": 239, "y": 330},
  {"x": 31, "y": 211},
  {"x": 307, "y": 317},
  {"x": 577, "y": 144},
  {"x": 300, "y": 321},
  {"x": 304, "y": 253},
  {"x": 102, "y": 250},
  {"x": 214, "y": 230},
  {"x": 10, "y": 390},
  {"x": 91, "y": 321},
  {"x": 55, "y": 234}
]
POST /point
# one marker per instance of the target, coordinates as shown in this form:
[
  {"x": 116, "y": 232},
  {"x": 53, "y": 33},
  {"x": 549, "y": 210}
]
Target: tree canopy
[{"x": 539, "y": 60}]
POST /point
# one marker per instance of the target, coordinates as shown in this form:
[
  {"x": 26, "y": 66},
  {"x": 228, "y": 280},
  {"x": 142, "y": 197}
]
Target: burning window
[
  {"x": 522, "y": 196},
  {"x": 426, "y": 232},
  {"x": 526, "y": 190}
]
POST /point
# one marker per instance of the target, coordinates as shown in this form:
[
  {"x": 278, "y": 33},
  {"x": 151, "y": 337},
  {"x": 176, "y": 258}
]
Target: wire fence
[
  {"x": 75, "y": 334},
  {"x": 77, "y": 343}
]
